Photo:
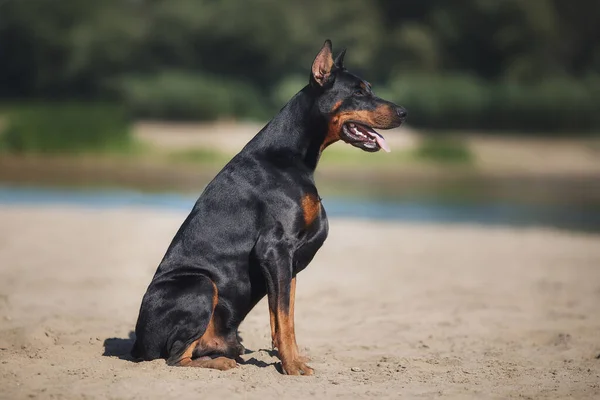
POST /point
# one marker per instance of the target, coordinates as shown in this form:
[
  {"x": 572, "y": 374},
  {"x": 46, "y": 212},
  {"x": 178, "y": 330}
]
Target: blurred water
[{"x": 400, "y": 209}]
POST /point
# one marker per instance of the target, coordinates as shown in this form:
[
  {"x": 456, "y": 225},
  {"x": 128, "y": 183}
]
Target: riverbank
[{"x": 184, "y": 157}]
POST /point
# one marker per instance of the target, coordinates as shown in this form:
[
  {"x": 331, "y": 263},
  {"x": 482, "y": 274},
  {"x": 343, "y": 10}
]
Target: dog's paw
[
  {"x": 296, "y": 367},
  {"x": 222, "y": 363},
  {"x": 304, "y": 359}
]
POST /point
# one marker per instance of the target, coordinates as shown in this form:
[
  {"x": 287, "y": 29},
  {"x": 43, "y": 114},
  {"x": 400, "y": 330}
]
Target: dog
[{"x": 256, "y": 225}]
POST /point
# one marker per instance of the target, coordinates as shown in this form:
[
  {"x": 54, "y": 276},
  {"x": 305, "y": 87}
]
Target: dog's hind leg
[{"x": 211, "y": 343}]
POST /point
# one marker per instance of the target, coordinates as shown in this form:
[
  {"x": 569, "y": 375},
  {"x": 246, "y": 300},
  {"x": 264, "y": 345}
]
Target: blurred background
[{"x": 141, "y": 102}]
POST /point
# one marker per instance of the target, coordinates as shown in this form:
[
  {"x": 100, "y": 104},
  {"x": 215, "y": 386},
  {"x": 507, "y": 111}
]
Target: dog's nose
[{"x": 401, "y": 112}]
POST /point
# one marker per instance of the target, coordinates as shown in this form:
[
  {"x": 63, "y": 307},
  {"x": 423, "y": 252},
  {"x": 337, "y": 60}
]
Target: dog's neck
[{"x": 296, "y": 134}]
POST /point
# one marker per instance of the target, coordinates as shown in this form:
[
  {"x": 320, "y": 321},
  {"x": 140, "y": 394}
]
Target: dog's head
[{"x": 347, "y": 102}]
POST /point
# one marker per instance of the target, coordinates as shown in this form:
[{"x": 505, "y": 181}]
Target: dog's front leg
[
  {"x": 285, "y": 334},
  {"x": 276, "y": 263}
]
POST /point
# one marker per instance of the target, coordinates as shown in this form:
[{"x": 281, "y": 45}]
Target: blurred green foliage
[
  {"x": 478, "y": 64},
  {"x": 66, "y": 127},
  {"x": 171, "y": 95},
  {"x": 467, "y": 102}
]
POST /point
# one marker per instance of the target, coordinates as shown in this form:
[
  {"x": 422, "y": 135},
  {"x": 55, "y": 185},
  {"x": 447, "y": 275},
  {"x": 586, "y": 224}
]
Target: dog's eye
[{"x": 360, "y": 92}]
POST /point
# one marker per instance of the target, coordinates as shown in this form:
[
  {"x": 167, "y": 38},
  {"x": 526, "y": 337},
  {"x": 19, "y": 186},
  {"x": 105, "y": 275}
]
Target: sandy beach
[{"x": 384, "y": 311}]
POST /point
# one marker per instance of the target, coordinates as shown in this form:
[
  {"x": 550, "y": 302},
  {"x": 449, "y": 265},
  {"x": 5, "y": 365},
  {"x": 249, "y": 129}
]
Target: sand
[{"x": 385, "y": 310}]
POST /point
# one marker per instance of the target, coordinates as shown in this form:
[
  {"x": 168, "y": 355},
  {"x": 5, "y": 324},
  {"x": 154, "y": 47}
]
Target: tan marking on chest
[{"x": 311, "y": 208}]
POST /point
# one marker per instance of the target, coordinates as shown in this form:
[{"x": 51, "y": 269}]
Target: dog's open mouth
[{"x": 364, "y": 137}]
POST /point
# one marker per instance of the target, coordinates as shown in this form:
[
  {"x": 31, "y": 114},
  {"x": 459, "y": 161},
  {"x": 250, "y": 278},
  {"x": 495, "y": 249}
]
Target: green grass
[
  {"x": 431, "y": 150},
  {"x": 199, "y": 156},
  {"x": 351, "y": 156},
  {"x": 80, "y": 128},
  {"x": 334, "y": 156}
]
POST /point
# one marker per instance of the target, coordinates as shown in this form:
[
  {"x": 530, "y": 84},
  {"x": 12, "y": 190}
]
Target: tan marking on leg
[
  {"x": 273, "y": 322},
  {"x": 292, "y": 307},
  {"x": 292, "y": 297},
  {"x": 209, "y": 340},
  {"x": 187, "y": 354},
  {"x": 286, "y": 339}
]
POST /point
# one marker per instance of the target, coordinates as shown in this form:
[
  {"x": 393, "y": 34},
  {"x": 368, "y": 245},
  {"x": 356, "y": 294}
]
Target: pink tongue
[{"x": 381, "y": 142}]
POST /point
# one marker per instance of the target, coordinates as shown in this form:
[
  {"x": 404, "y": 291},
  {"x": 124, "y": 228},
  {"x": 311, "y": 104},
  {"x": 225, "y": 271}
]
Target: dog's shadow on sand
[
  {"x": 259, "y": 363},
  {"x": 119, "y": 347}
]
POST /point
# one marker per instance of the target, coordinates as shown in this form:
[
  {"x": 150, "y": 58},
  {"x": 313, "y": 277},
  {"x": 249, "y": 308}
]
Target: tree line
[{"x": 162, "y": 57}]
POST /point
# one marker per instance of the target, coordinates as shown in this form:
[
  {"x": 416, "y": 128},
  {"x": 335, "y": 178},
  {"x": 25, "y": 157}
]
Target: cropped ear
[
  {"x": 321, "y": 67},
  {"x": 339, "y": 60}
]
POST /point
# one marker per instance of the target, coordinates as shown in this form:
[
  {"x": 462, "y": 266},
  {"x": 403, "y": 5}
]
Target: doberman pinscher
[{"x": 255, "y": 226}]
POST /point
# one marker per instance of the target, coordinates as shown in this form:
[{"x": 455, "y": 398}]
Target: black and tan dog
[{"x": 255, "y": 226}]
